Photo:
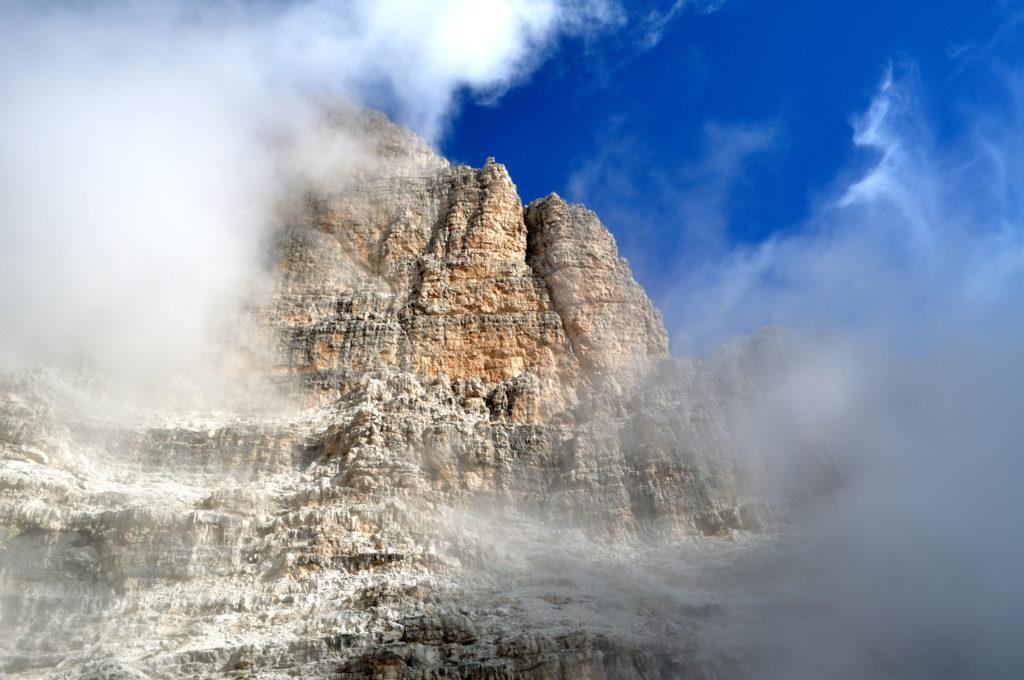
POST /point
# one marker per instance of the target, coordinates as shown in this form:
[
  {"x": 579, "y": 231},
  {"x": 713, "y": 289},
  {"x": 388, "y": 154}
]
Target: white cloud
[{"x": 143, "y": 145}]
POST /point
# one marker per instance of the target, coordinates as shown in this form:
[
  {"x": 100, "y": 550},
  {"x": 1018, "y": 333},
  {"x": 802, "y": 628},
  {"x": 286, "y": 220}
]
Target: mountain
[{"x": 489, "y": 467}]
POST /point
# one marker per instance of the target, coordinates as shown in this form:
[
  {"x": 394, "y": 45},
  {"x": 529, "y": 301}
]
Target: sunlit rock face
[
  {"x": 488, "y": 428},
  {"x": 438, "y": 270}
]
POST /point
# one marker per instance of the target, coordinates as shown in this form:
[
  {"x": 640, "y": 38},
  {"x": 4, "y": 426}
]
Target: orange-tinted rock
[{"x": 436, "y": 269}]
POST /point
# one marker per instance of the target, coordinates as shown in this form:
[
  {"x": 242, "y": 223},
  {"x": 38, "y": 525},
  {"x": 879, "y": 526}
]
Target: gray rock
[{"x": 492, "y": 438}]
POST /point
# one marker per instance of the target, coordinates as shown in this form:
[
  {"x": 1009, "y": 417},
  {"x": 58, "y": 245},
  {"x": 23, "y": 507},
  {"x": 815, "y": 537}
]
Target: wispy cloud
[
  {"x": 911, "y": 235},
  {"x": 686, "y": 206},
  {"x": 892, "y": 130},
  {"x": 651, "y": 28}
]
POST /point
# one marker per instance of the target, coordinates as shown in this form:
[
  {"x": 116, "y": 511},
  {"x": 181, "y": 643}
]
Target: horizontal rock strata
[{"x": 490, "y": 415}]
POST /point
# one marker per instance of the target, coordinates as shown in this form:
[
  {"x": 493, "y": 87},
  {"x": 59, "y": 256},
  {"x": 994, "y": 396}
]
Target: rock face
[
  {"x": 491, "y": 426},
  {"x": 438, "y": 270}
]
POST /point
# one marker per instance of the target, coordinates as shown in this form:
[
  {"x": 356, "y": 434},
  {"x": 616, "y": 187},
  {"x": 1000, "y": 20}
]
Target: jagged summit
[{"x": 459, "y": 280}]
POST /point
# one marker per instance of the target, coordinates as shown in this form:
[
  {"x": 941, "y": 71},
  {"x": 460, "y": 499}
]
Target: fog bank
[{"x": 905, "y": 286}]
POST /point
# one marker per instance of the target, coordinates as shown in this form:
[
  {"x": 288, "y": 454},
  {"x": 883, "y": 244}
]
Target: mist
[
  {"x": 147, "y": 149},
  {"x": 901, "y": 296}
]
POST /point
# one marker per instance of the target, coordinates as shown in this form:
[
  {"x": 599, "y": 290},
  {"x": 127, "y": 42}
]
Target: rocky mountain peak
[
  {"x": 444, "y": 273},
  {"x": 484, "y": 440}
]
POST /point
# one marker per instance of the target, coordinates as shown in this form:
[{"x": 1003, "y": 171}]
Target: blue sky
[{"x": 734, "y": 122}]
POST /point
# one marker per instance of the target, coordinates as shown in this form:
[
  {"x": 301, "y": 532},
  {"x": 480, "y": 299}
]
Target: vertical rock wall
[
  {"x": 438, "y": 269},
  {"x": 484, "y": 443}
]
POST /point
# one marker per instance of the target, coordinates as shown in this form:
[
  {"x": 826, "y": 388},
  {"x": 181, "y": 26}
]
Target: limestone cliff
[
  {"x": 439, "y": 270},
  {"x": 486, "y": 388}
]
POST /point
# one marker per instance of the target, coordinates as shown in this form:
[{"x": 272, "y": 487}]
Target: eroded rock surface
[
  {"x": 491, "y": 438},
  {"x": 438, "y": 270}
]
